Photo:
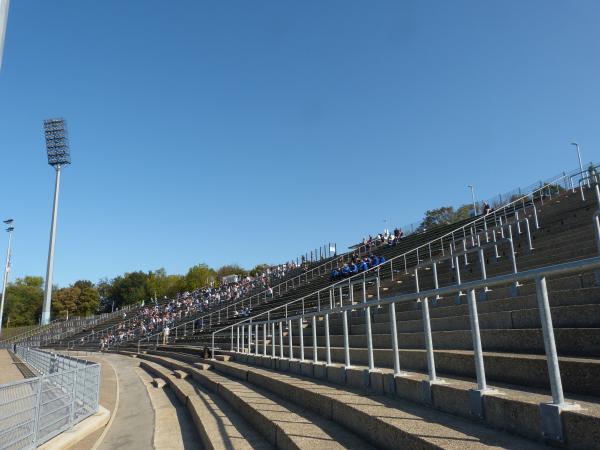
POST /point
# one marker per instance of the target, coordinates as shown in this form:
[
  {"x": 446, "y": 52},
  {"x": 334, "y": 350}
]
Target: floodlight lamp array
[{"x": 57, "y": 142}]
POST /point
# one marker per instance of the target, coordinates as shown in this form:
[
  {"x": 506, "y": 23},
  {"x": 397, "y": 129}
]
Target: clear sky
[{"x": 251, "y": 131}]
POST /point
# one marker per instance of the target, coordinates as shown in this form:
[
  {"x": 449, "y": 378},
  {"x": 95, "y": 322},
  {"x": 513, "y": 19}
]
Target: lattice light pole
[
  {"x": 57, "y": 147},
  {"x": 9, "y": 230}
]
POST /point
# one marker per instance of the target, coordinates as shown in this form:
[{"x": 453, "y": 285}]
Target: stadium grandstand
[
  {"x": 477, "y": 327},
  {"x": 481, "y": 333}
]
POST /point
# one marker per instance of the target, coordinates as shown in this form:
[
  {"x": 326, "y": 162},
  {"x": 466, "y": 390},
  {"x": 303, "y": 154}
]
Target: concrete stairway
[
  {"x": 515, "y": 364},
  {"x": 240, "y": 406}
]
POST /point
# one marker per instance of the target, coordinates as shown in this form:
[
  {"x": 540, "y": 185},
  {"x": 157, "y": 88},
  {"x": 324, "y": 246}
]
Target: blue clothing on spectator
[
  {"x": 364, "y": 266},
  {"x": 375, "y": 260},
  {"x": 353, "y": 268},
  {"x": 346, "y": 270},
  {"x": 381, "y": 259}
]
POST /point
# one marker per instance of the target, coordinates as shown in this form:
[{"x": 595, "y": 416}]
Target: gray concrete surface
[
  {"x": 8, "y": 369},
  {"x": 133, "y": 425}
]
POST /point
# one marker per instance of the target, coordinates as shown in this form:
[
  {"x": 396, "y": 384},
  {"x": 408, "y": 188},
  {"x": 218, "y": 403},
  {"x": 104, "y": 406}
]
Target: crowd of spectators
[
  {"x": 356, "y": 265},
  {"x": 161, "y": 318},
  {"x": 385, "y": 238}
]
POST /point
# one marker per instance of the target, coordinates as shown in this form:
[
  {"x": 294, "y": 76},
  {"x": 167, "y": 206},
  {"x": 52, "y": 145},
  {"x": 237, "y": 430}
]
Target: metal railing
[
  {"x": 34, "y": 410},
  {"x": 61, "y": 327},
  {"x": 242, "y": 333},
  {"x": 211, "y": 316},
  {"x": 466, "y": 235}
]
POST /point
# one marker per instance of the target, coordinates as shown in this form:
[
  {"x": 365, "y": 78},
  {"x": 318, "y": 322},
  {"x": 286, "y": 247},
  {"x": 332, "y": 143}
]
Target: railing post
[
  {"x": 265, "y": 325},
  {"x": 346, "y": 340},
  {"x": 432, "y": 377},
  {"x": 290, "y": 337},
  {"x": 368, "y": 326},
  {"x": 435, "y": 284},
  {"x": 301, "y": 333},
  {"x": 550, "y": 412},
  {"x": 281, "y": 339},
  {"x": 256, "y": 336},
  {"x": 314, "y": 336},
  {"x": 394, "y": 336},
  {"x": 513, "y": 258},
  {"x": 476, "y": 395},
  {"x": 273, "y": 350},
  {"x": 213, "y": 347},
  {"x": 243, "y": 339},
  {"x": 327, "y": 341}
]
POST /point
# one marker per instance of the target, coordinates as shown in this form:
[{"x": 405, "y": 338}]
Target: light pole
[
  {"x": 9, "y": 229},
  {"x": 57, "y": 147},
  {"x": 473, "y": 197},
  {"x": 3, "y": 20}
]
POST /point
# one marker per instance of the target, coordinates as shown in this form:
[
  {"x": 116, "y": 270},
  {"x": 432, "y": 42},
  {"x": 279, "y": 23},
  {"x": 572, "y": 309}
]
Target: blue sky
[{"x": 237, "y": 131}]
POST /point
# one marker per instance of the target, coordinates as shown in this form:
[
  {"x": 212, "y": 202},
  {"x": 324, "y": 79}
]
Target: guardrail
[
  {"x": 34, "y": 410},
  {"x": 516, "y": 210},
  {"x": 242, "y": 333}
]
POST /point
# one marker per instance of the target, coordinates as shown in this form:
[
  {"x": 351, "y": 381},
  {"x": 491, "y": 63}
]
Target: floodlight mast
[
  {"x": 3, "y": 21},
  {"x": 9, "y": 229},
  {"x": 59, "y": 154}
]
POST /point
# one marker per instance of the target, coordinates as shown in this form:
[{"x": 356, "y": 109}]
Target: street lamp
[
  {"x": 473, "y": 197},
  {"x": 9, "y": 229},
  {"x": 57, "y": 147}
]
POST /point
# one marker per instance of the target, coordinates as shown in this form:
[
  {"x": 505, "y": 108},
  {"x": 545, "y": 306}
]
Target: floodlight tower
[
  {"x": 3, "y": 22},
  {"x": 57, "y": 147},
  {"x": 9, "y": 229}
]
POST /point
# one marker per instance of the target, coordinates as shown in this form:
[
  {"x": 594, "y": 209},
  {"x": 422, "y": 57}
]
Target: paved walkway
[
  {"x": 8, "y": 369},
  {"x": 133, "y": 425}
]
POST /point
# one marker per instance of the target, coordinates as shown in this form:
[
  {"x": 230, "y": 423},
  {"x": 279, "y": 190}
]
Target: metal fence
[{"x": 34, "y": 410}]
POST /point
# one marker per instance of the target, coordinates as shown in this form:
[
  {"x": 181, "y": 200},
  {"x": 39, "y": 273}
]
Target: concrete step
[
  {"x": 398, "y": 423},
  {"x": 579, "y": 374},
  {"x": 280, "y": 422},
  {"x": 503, "y": 407},
  {"x": 218, "y": 424}
]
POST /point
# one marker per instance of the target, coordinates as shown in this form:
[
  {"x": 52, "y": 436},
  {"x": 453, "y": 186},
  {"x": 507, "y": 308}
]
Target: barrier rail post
[
  {"x": 314, "y": 337},
  {"x": 256, "y": 336},
  {"x": 476, "y": 395},
  {"x": 327, "y": 341},
  {"x": 550, "y": 412},
  {"x": 301, "y": 331},
  {"x": 514, "y": 291},
  {"x": 394, "y": 335},
  {"x": 265, "y": 339},
  {"x": 243, "y": 339},
  {"x": 368, "y": 326},
  {"x": 273, "y": 349},
  {"x": 213, "y": 347},
  {"x": 346, "y": 340},
  {"x": 432, "y": 377},
  {"x": 435, "y": 284},
  {"x": 281, "y": 339},
  {"x": 485, "y": 290},
  {"x": 291, "y": 345}
]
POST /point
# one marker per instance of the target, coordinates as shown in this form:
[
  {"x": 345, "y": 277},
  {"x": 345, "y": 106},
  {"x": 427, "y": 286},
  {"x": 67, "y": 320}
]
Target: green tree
[
  {"x": 24, "y": 300},
  {"x": 231, "y": 269}
]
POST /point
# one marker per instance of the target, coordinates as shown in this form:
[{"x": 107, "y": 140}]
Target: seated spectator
[
  {"x": 353, "y": 268},
  {"x": 335, "y": 274},
  {"x": 345, "y": 270},
  {"x": 375, "y": 261},
  {"x": 486, "y": 208},
  {"x": 381, "y": 259},
  {"x": 364, "y": 266}
]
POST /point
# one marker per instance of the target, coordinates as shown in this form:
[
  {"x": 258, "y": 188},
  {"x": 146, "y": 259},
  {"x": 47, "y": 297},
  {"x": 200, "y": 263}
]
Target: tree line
[{"x": 24, "y": 296}]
